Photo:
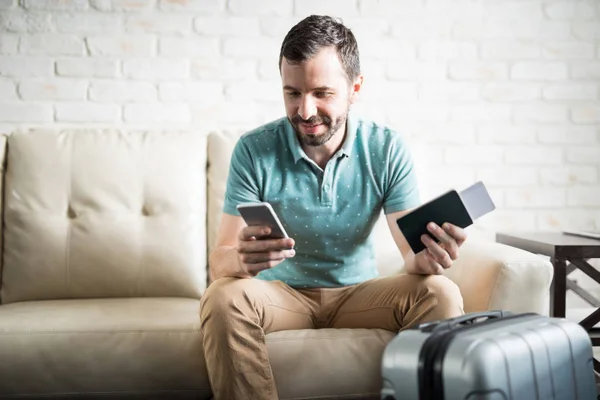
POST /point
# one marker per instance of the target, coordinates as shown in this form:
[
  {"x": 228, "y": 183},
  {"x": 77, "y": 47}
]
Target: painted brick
[
  {"x": 586, "y": 114},
  {"x": 7, "y": 4},
  {"x": 226, "y": 69},
  {"x": 25, "y": 21},
  {"x": 567, "y": 135},
  {"x": 485, "y": 71},
  {"x": 567, "y": 10},
  {"x": 570, "y": 91},
  {"x": 87, "y": 23},
  {"x": 586, "y": 30},
  {"x": 207, "y": 7},
  {"x": 391, "y": 8},
  {"x": 563, "y": 219},
  {"x": 473, "y": 155},
  {"x": 583, "y": 155},
  {"x": 365, "y": 27},
  {"x": 122, "y": 5},
  {"x": 280, "y": 8},
  {"x": 55, "y": 5},
  {"x": 510, "y": 9},
  {"x": 9, "y": 44},
  {"x": 510, "y": 49},
  {"x": 585, "y": 70},
  {"x": 52, "y": 44},
  {"x": 506, "y": 134},
  {"x": 87, "y": 67},
  {"x": 188, "y": 47},
  {"x": 442, "y": 50},
  {"x": 509, "y": 220},
  {"x": 87, "y": 112},
  {"x": 536, "y": 197},
  {"x": 445, "y": 132},
  {"x": 121, "y": 92},
  {"x": 481, "y": 112},
  {"x": 534, "y": 155},
  {"x": 197, "y": 92},
  {"x": 24, "y": 67},
  {"x": 334, "y": 8},
  {"x": 510, "y": 92},
  {"x": 250, "y": 91},
  {"x": 277, "y": 27},
  {"x": 567, "y": 50},
  {"x": 540, "y": 113},
  {"x": 54, "y": 89},
  {"x": 227, "y": 26},
  {"x": 584, "y": 196},
  {"x": 158, "y": 68},
  {"x": 22, "y": 113},
  {"x": 252, "y": 48},
  {"x": 450, "y": 92},
  {"x": 122, "y": 45},
  {"x": 388, "y": 91},
  {"x": 8, "y": 89},
  {"x": 159, "y": 23},
  {"x": 157, "y": 112},
  {"x": 380, "y": 49},
  {"x": 538, "y": 70},
  {"x": 423, "y": 71},
  {"x": 508, "y": 176},
  {"x": 570, "y": 175}
]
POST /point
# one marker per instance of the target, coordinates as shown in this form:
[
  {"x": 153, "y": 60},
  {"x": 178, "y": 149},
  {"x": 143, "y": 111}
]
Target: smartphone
[{"x": 262, "y": 214}]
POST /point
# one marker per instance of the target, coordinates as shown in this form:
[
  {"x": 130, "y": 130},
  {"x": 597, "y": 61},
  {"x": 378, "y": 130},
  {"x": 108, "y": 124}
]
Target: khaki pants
[{"x": 237, "y": 313}]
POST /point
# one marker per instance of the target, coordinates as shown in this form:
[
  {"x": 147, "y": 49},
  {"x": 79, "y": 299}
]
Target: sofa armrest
[{"x": 493, "y": 276}]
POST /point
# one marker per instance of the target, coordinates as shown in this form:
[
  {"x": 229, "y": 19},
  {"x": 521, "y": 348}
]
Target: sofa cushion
[
  {"x": 115, "y": 348},
  {"x": 328, "y": 363},
  {"x": 220, "y": 148},
  {"x": 104, "y": 213}
]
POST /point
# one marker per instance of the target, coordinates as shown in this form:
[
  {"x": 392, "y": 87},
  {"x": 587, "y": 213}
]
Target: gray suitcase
[{"x": 490, "y": 355}]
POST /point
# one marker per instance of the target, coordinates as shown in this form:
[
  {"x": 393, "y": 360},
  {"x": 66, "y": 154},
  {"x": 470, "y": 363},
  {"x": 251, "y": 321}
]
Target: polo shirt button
[{"x": 326, "y": 187}]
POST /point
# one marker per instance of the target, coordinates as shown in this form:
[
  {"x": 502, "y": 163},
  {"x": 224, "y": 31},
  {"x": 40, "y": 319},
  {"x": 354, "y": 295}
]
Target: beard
[{"x": 317, "y": 139}]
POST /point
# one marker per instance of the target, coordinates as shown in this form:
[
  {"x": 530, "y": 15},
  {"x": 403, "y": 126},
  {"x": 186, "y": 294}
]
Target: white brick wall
[{"x": 503, "y": 91}]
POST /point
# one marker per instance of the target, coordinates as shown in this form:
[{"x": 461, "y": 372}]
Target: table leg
[{"x": 558, "y": 289}]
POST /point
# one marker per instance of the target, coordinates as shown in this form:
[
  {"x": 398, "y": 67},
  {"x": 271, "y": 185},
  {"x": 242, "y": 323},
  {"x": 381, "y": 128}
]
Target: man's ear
[{"x": 355, "y": 88}]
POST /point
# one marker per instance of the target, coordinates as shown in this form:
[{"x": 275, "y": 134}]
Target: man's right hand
[{"x": 256, "y": 254}]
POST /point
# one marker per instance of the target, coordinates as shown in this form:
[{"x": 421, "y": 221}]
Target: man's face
[{"x": 317, "y": 96}]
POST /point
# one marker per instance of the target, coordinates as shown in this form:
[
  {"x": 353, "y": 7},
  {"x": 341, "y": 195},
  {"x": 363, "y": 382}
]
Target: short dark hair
[{"x": 313, "y": 33}]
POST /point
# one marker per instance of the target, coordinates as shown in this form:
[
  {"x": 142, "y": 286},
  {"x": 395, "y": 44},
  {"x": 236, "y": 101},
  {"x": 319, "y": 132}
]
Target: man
[{"x": 327, "y": 174}]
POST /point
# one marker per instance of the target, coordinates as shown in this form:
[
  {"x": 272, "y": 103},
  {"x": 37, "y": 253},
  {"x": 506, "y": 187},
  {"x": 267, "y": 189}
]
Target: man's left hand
[{"x": 441, "y": 254}]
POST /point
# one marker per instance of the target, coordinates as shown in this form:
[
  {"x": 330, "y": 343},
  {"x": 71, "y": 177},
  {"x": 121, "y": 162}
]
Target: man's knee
[
  {"x": 440, "y": 288},
  {"x": 226, "y": 295}
]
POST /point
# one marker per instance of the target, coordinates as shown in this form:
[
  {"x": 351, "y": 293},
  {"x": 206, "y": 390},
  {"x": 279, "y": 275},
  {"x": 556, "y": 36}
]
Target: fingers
[
  {"x": 247, "y": 242},
  {"x": 435, "y": 251},
  {"x": 459, "y": 234},
  {"x": 258, "y": 258},
  {"x": 448, "y": 243}
]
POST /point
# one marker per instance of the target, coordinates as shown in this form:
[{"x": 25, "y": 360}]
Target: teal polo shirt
[{"x": 329, "y": 212}]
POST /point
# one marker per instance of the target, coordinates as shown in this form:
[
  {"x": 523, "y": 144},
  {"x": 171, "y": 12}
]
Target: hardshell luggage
[{"x": 490, "y": 355}]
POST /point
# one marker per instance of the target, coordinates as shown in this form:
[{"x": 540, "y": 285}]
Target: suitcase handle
[{"x": 466, "y": 319}]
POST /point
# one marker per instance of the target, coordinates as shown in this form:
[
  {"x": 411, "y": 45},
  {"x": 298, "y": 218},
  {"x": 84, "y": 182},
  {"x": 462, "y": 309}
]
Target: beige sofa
[{"x": 105, "y": 241}]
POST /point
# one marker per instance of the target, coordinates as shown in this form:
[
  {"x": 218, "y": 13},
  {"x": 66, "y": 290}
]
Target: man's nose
[{"x": 307, "y": 108}]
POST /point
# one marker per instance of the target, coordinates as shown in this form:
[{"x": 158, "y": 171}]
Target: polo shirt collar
[{"x": 346, "y": 149}]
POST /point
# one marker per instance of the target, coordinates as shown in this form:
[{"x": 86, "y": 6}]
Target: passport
[{"x": 458, "y": 208}]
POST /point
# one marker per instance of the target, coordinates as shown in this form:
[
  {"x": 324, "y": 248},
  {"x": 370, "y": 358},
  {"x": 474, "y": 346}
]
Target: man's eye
[
  {"x": 293, "y": 94},
  {"x": 322, "y": 94}
]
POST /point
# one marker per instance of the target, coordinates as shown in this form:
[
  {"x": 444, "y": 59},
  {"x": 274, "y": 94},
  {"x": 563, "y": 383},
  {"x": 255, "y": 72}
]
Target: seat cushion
[
  {"x": 113, "y": 348},
  {"x": 328, "y": 363},
  {"x": 152, "y": 348}
]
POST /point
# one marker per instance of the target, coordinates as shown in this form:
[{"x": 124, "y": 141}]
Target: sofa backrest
[
  {"x": 104, "y": 213},
  {"x": 220, "y": 148}
]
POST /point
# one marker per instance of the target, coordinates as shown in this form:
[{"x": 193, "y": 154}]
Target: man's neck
[{"x": 322, "y": 154}]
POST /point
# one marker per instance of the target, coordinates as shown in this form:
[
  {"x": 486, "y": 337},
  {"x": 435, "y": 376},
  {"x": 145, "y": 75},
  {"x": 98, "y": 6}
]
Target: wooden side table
[{"x": 567, "y": 253}]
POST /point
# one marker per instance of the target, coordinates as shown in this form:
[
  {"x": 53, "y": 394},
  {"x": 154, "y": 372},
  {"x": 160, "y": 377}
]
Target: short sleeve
[
  {"x": 402, "y": 189},
  {"x": 242, "y": 183}
]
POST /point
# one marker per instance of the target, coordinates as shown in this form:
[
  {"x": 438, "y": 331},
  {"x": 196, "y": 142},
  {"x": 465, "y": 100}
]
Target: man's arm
[
  {"x": 437, "y": 256},
  {"x": 238, "y": 252}
]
